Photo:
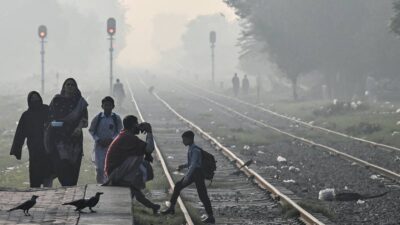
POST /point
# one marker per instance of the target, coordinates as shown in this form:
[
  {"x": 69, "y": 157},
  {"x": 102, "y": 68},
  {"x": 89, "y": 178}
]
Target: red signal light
[
  {"x": 111, "y": 26},
  {"x": 42, "y": 31}
]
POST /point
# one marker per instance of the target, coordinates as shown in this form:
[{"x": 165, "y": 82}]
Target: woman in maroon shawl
[{"x": 63, "y": 139}]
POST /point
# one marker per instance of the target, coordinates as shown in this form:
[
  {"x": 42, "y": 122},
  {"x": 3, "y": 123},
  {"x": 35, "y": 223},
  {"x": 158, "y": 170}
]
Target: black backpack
[{"x": 208, "y": 164}]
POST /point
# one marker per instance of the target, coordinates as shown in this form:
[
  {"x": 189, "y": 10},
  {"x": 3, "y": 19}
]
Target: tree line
[{"x": 345, "y": 41}]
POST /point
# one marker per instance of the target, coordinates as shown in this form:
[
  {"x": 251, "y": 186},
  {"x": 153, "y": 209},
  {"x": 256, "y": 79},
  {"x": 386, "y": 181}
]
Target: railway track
[
  {"x": 235, "y": 196},
  {"x": 361, "y": 151},
  {"x": 298, "y": 121},
  {"x": 318, "y": 169},
  {"x": 379, "y": 169}
]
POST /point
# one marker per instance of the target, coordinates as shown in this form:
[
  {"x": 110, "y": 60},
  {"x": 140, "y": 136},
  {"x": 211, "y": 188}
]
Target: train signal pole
[
  {"x": 111, "y": 29},
  {"x": 213, "y": 38},
  {"x": 42, "y": 31}
]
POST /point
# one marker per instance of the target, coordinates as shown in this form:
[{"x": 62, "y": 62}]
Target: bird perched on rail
[
  {"x": 248, "y": 163},
  {"x": 80, "y": 204},
  {"x": 26, "y": 206}
]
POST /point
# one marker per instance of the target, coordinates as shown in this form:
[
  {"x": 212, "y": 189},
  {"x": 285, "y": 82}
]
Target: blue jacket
[{"x": 194, "y": 159}]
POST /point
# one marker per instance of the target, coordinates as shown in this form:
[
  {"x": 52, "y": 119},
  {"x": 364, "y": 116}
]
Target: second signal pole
[
  {"x": 42, "y": 31},
  {"x": 213, "y": 38},
  {"x": 111, "y": 29}
]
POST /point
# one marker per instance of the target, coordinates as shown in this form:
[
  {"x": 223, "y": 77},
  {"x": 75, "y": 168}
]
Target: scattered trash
[
  {"x": 269, "y": 167},
  {"x": 359, "y": 201},
  {"x": 233, "y": 146},
  {"x": 167, "y": 203},
  {"x": 177, "y": 131},
  {"x": 398, "y": 123},
  {"x": 293, "y": 169},
  {"x": 395, "y": 133},
  {"x": 170, "y": 157},
  {"x": 375, "y": 177},
  {"x": 246, "y": 147},
  {"x": 284, "y": 167},
  {"x": 353, "y": 105},
  {"x": 10, "y": 168},
  {"x": 398, "y": 111},
  {"x": 260, "y": 152},
  {"x": 289, "y": 181},
  {"x": 327, "y": 194},
  {"x": 281, "y": 159}
]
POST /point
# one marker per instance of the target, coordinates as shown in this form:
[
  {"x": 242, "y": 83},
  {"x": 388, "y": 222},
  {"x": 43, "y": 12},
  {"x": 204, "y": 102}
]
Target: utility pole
[
  {"x": 57, "y": 79},
  {"x": 42, "y": 31},
  {"x": 111, "y": 29},
  {"x": 213, "y": 38}
]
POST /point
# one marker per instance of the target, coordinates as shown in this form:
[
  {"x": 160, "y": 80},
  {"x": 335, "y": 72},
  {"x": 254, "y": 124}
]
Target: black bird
[
  {"x": 83, "y": 203},
  {"x": 92, "y": 202},
  {"x": 26, "y": 206},
  {"x": 248, "y": 163}
]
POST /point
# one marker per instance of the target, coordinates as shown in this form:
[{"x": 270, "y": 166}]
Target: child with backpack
[
  {"x": 195, "y": 174},
  {"x": 104, "y": 128}
]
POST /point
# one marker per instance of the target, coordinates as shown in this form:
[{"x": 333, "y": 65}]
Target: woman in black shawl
[
  {"x": 64, "y": 140},
  {"x": 30, "y": 127}
]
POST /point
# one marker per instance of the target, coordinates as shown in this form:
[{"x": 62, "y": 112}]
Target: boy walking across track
[{"x": 193, "y": 175}]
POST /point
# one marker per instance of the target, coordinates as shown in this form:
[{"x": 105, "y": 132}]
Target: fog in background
[{"x": 299, "y": 47}]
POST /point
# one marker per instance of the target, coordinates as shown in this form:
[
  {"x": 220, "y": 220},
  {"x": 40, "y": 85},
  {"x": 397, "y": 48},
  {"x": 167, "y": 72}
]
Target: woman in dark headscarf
[
  {"x": 30, "y": 127},
  {"x": 64, "y": 140}
]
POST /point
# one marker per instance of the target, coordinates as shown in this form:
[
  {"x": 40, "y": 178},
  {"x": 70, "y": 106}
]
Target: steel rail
[
  {"x": 182, "y": 206},
  {"x": 385, "y": 172},
  {"x": 375, "y": 144},
  {"x": 305, "y": 216}
]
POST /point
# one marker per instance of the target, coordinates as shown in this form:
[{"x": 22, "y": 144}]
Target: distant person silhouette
[
  {"x": 259, "y": 87},
  {"x": 30, "y": 127},
  {"x": 235, "y": 85},
  {"x": 245, "y": 85},
  {"x": 119, "y": 93}
]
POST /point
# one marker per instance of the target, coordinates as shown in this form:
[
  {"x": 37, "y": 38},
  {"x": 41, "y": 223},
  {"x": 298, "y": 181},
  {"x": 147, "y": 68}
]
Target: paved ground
[{"x": 114, "y": 206}]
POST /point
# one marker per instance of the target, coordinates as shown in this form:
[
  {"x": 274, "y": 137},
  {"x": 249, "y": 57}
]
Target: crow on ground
[
  {"x": 83, "y": 203},
  {"x": 26, "y": 206}
]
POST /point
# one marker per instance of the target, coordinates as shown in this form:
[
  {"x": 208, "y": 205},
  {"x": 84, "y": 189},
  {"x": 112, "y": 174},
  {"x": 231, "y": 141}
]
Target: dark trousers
[
  {"x": 140, "y": 197},
  {"x": 197, "y": 178},
  {"x": 66, "y": 171}
]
